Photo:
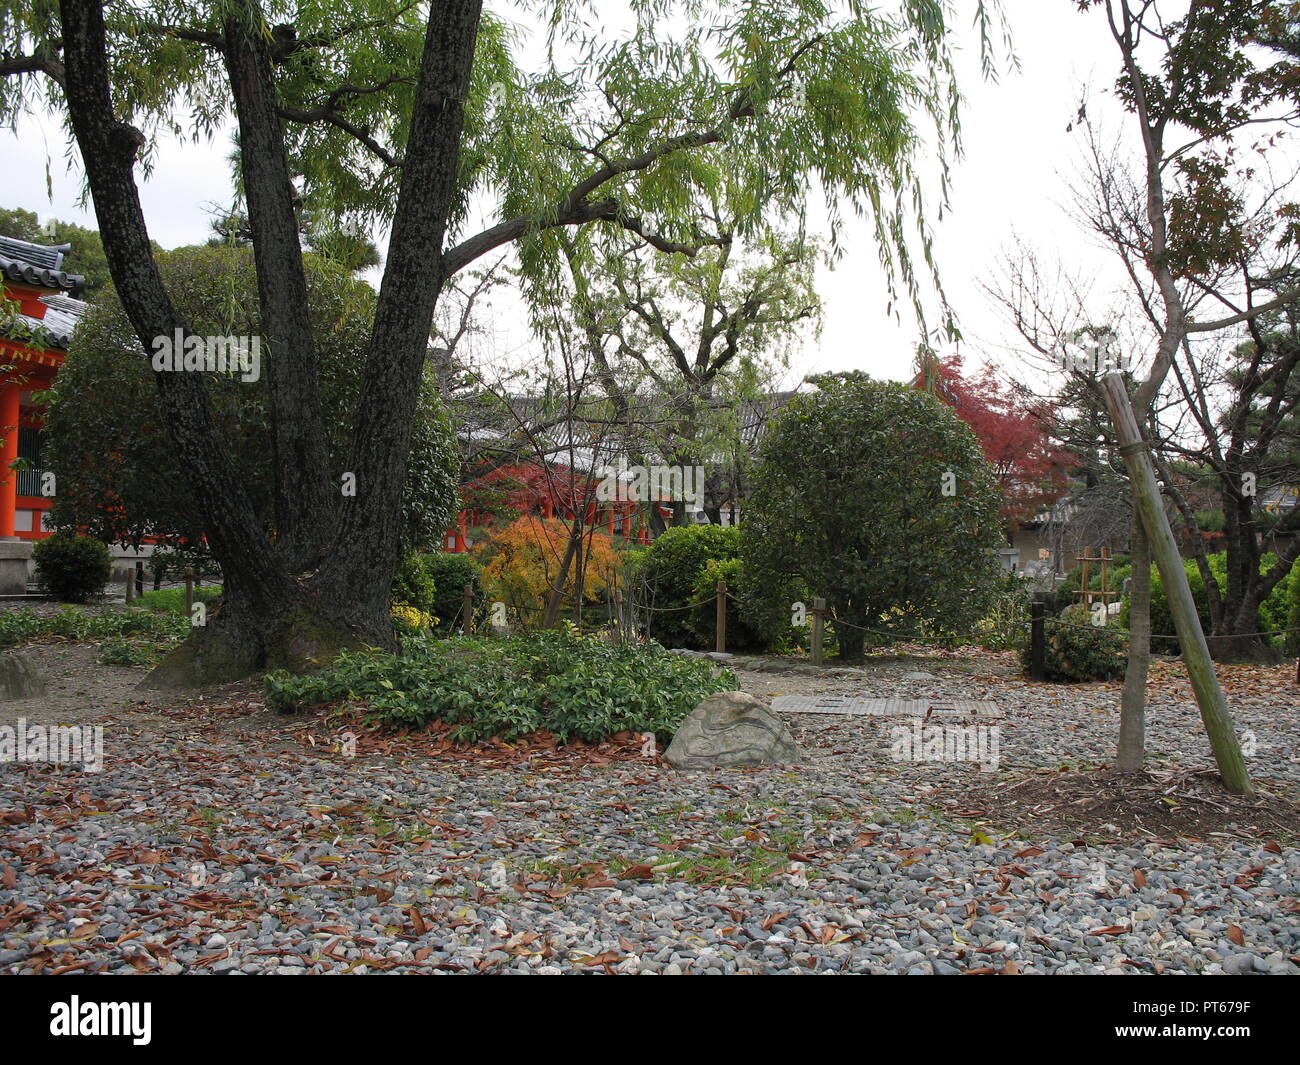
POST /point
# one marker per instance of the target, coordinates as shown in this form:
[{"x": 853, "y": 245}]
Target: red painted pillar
[{"x": 9, "y": 398}]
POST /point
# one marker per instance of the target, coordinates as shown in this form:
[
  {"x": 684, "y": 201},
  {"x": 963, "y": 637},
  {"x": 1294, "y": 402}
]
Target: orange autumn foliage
[{"x": 522, "y": 562}]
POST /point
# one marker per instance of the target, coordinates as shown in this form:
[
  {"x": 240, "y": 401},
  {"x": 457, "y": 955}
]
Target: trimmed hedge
[
  {"x": 412, "y": 585},
  {"x": 433, "y": 583},
  {"x": 450, "y": 572},
  {"x": 72, "y": 568}
]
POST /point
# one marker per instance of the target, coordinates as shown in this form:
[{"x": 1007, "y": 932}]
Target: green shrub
[
  {"x": 412, "y": 584},
  {"x": 575, "y": 687},
  {"x": 880, "y": 499},
  {"x": 1274, "y": 612},
  {"x": 170, "y": 563},
  {"x": 450, "y": 572},
  {"x": 409, "y": 619},
  {"x": 666, "y": 575},
  {"x": 1078, "y": 650},
  {"x": 72, "y": 568},
  {"x": 703, "y": 620},
  {"x": 1005, "y": 625}
]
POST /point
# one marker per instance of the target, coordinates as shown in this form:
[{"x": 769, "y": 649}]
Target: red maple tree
[{"x": 1012, "y": 429}]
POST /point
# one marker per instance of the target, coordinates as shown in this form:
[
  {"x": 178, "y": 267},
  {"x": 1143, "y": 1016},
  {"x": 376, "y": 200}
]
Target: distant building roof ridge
[{"x": 49, "y": 256}]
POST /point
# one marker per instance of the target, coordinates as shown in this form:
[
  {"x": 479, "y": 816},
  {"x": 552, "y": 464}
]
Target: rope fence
[{"x": 821, "y": 615}]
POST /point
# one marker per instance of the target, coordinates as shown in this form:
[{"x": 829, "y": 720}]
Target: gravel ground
[{"x": 218, "y": 839}]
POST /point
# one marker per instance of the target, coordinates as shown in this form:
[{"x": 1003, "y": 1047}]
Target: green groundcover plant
[
  {"x": 72, "y": 623},
  {"x": 172, "y": 600},
  {"x": 576, "y": 687}
]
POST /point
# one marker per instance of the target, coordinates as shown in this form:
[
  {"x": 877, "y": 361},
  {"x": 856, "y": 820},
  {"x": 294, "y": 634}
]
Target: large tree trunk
[
  {"x": 281, "y": 608},
  {"x": 851, "y": 637},
  {"x": 303, "y": 631}
]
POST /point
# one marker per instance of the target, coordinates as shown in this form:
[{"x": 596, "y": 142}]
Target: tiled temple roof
[
  {"x": 38, "y": 264},
  {"x": 55, "y": 329}
]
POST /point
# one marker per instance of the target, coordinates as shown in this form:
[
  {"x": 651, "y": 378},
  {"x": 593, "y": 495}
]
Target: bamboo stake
[{"x": 1187, "y": 623}]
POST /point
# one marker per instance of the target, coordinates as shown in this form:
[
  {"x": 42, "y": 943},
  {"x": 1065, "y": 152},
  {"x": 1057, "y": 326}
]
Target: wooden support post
[
  {"x": 720, "y": 625},
  {"x": 130, "y": 585},
  {"x": 189, "y": 592},
  {"x": 467, "y": 609},
  {"x": 1187, "y": 623},
  {"x": 818, "y": 620},
  {"x": 139, "y": 577},
  {"x": 1085, "y": 596},
  {"x": 1038, "y": 640}
]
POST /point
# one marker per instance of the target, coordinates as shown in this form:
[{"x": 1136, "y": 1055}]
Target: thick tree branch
[
  {"x": 108, "y": 150},
  {"x": 34, "y": 64},
  {"x": 413, "y": 275},
  {"x": 303, "y": 506},
  {"x": 325, "y": 114}
]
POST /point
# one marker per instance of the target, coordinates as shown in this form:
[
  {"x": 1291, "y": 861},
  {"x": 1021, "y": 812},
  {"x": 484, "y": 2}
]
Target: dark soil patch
[
  {"x": 78, "y": 688},
  {"x": 1104, "y": 806}
]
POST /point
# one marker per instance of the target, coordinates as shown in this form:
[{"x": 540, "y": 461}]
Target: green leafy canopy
[
  {"x": 849, "y": 496},
  {"x": 748, "y": 105}
]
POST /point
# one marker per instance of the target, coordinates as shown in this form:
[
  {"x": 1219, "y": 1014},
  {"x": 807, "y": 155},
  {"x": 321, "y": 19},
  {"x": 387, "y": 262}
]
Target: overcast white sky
[{"x": 1010, "y": 181}]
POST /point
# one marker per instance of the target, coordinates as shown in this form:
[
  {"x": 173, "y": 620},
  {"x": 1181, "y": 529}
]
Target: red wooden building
[{"x": 40, "y": 312}]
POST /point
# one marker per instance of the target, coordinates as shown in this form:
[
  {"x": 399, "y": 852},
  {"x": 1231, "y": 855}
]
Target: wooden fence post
[
  {"x": 189, "y": 592},
  {"x": 721, "y": 623},
  {"x": 467, "y": 609},
  {"x": 1038, "y": 640},
  {"x": 130, "y": 584},
  {"x": 818, "y": 620},
  {"x": 139, "y": 577},
  {"x": 1187, "y": 622}
]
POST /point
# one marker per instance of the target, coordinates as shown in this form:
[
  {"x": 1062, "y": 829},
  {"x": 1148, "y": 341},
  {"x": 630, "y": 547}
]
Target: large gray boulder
[
  {"x": 18, "y": 677},
  {"x": 728, "y": 729}
]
